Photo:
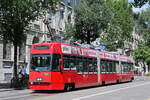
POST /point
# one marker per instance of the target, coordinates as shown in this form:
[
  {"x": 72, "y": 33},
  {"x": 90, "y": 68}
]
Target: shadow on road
[{"x": 77, "y": 89}]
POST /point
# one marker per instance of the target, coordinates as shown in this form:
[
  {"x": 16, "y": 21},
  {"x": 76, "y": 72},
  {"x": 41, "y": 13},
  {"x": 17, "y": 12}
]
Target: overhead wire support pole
[
  {"x": 49, "y": 30},
  {"x": 51, "y": 35}
]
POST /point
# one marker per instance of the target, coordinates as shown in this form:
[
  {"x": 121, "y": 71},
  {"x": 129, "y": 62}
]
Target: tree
[
  {"x": 120, "y": 27},
  {"x": 140, "y": 3},
  {"x": 15, "y": 16},
  {"x": 91, "y": 17},
  {"x": 142, "y": 53},
  {"x": 143, "y": 26}
]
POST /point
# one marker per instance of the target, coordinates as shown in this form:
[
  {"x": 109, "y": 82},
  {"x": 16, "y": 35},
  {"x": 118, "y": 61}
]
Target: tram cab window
[{"x": 55, "y": 62}]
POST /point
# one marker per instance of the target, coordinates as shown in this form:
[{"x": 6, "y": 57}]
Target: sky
[{"x": 139, "y": 9}]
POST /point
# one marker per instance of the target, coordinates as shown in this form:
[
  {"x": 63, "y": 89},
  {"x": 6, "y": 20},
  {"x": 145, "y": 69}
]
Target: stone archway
[{"x": 35, "y": 40}]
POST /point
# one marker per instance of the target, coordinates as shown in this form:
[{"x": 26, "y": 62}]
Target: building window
[
  {"x": 75, "y": 3},
  {"x": 60, "y": 20},
  {"x": 51, "y": 18},
  {"x": 22, "y": 52},
  {"x": 35, "y": 40},
  {"x": 69, "y": 18},
  {"x": 7, "y": 76},
  {"x": 69, "y": 2},
  {"x": 6, "y": 50}
]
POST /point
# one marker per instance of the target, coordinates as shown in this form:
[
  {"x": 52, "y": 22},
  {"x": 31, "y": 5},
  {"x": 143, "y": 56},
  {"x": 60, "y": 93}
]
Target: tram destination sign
[{"x": 41, "y": 47}]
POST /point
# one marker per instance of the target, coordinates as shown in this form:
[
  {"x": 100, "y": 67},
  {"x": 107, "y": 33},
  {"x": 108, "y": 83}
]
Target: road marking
[
  {"x": 1, "y": 94},
  {"x": 44, "y": 98},
  {"x": 102, "y": 93},
  {"x": 15, "y": 97},
  {"x": 80, "y": 91}
]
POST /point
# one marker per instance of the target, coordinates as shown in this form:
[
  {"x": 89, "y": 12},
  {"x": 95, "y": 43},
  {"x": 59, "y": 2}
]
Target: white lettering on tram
[
  {"x": 79, "y": 51},
  {"x": 93, "y": 53}
]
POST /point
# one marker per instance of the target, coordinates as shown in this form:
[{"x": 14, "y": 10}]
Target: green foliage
[
  {"x": 91, "y": 17},
  {"x": 139, "y": 3},
  {"x": 142, "y": 53},
  {"x": 148, "y": 74},
  {"x": 143, "y": 24},
  {"x": 15, "y": 16},
  {"x": 111, "y": 20},
  {"x": 69, "y": 30},
  {"x": 120, "y": 27}
]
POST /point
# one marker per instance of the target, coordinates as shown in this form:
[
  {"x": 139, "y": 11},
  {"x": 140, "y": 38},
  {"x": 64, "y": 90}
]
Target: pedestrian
[
  {"x": 142, "y": 72},
  {"x": 22, "y": 76},
  {"x": 23, "y": 71}
]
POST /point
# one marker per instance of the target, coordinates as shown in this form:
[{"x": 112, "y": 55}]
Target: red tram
[{"x": 58, "y": 66}]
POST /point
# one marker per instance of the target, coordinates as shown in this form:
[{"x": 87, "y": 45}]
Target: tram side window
[
  {"x": 95, "y": 65},
  {"x": 102, "y": 66},
  {"x": 110, "y": 66},
  {"x": 90, "y": 66},
  {"x": 72, "y": 62},
  {"x": 121, "y": 67},
  {"x": 66, "y": 62},
  {"x": 79, "y": 65},
  {"x": 113, "y": 67},
  {"x": 125, "y": 67},
  {"x": 106, "y": 66},
  {"x": 131, "y": 67},
  {"x": 117, "y": 67},
  {"x": 55, "y": 64},
  {"x": 85, "y": 68}
]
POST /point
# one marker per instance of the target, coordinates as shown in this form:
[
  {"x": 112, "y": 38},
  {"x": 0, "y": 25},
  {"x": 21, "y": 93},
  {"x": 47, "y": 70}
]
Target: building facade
[{"x": 37, "y": 33}]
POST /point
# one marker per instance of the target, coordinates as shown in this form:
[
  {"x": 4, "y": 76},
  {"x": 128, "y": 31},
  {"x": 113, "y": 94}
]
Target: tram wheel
[
  {"x": 118, "y": 82},
  {"x": 103, "y": 83},
  {"x": 67, "y": 88}
]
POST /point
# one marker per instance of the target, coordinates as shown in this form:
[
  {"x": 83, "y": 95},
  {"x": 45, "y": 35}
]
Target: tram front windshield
[{"x": 41, "y": 62}]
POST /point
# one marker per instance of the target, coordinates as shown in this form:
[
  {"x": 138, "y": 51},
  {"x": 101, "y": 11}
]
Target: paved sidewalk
[
  {"x": 5, "y": 87},
  {"x": 4, "y": 84}
]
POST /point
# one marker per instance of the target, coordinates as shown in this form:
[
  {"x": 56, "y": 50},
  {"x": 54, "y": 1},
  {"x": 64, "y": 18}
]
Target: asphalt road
[{"x": 139, "y": 89}]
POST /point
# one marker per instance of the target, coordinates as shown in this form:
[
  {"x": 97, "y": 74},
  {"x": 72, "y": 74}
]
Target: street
[{"x": 136, "y": 90}]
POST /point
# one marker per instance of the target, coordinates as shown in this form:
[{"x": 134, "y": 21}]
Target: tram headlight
[{"x": 39, "y": 79}]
